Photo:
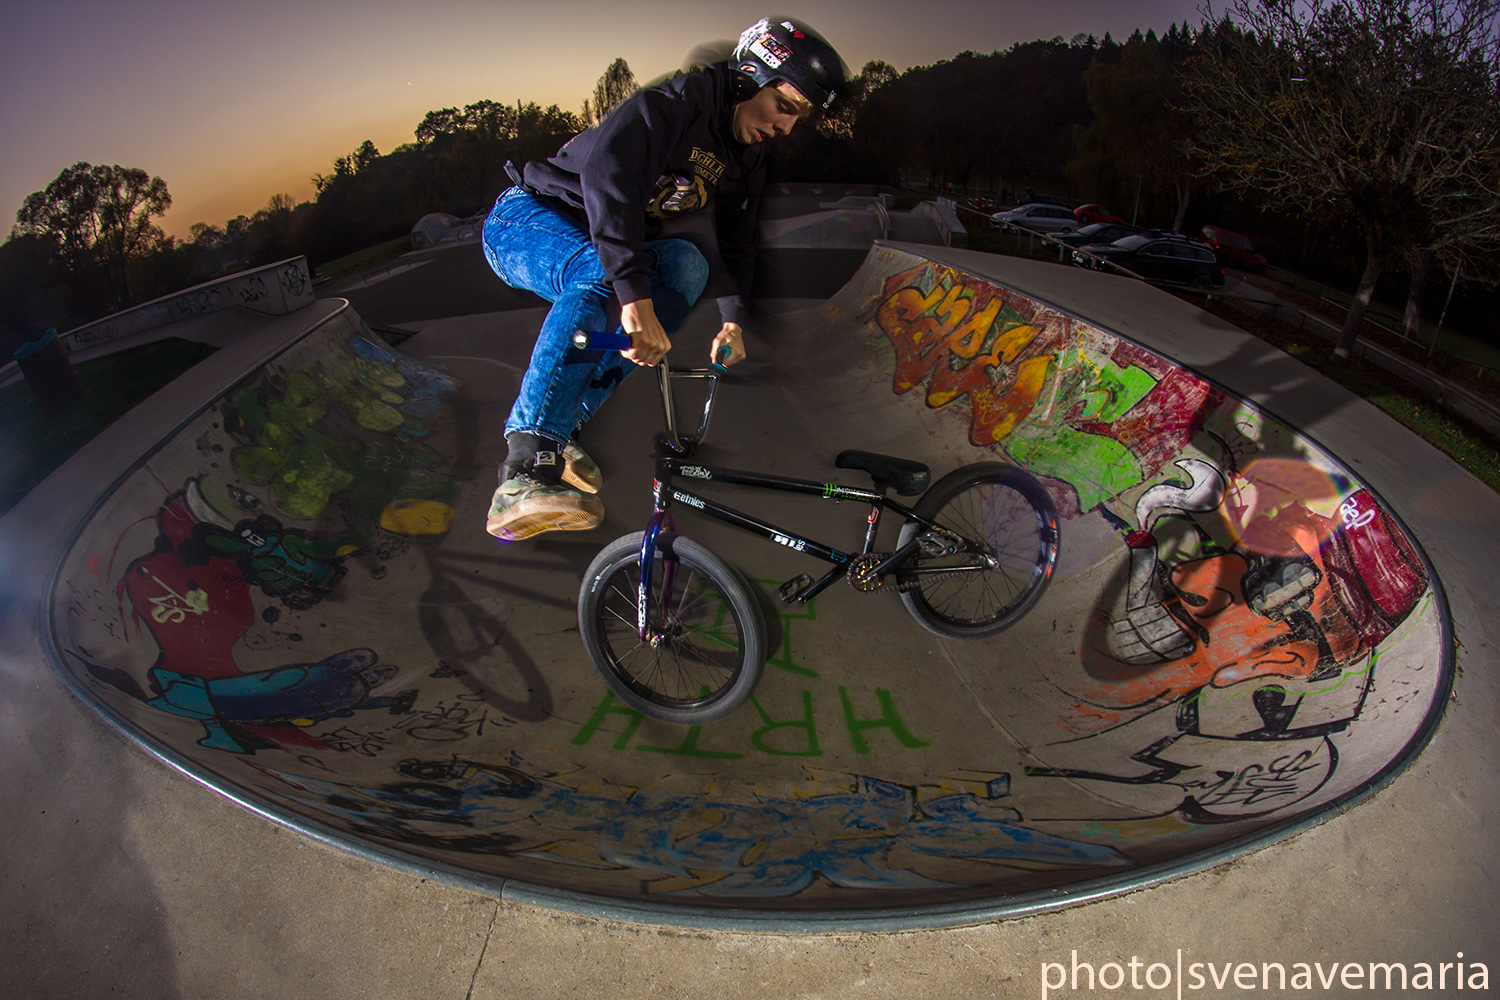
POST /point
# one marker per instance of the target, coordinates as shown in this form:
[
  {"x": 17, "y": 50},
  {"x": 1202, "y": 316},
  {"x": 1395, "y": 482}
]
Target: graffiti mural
[
  {"x": 1259, "y": 581},
  {"x": 716, "y": 840},
  {"x": 1258, "y": 592},
  {"x": 340, "y": 429},
  {"x": 296, "y": 597},
  {"x": 291, "y": 290},
  {"x": 1061, "y": 398}
]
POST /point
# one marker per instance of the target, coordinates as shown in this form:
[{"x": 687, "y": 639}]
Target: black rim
[{"x": 702, "y": 652}]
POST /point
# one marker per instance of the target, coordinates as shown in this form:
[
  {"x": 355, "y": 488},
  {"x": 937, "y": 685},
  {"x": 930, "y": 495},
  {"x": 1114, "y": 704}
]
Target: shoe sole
[
  {"x": 575, "y": 476},
  {"x": 536, "y": 517}
]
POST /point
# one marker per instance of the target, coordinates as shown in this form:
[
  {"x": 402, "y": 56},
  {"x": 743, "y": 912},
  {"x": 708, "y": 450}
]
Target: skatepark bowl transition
[{"x": 292, "y": 600}]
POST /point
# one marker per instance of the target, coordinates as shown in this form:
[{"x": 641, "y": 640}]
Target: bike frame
[
  {"x": 666, "y": 493},
  {"x": 674, "y": 460}
]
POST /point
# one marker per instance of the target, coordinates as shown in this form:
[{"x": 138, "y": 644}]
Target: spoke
[
  {"x": 698, "y": 638},
  {"x": 1011, "y": 534},
  {"x": 713, "y": 636}
]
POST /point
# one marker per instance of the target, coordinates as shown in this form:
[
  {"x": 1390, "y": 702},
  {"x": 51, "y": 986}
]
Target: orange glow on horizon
[{"x": 232, "y": 105}]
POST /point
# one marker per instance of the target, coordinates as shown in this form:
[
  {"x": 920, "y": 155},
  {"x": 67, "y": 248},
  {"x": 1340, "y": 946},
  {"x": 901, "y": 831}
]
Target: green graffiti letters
[{"x": 889, "y": 719}]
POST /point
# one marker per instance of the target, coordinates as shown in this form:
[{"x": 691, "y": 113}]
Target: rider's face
[{"x": 771, "y": 112}]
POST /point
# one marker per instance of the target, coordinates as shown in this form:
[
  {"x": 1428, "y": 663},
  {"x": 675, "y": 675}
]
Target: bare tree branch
[{"x": 1384, "y": 110}]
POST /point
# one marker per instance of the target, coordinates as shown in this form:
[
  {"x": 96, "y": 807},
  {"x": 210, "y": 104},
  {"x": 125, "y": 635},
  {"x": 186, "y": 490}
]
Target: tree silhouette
[
  {"x": 617, "y": 83},
  {"x": 98, "y": 218},
  {"x": 1138, "y": 139},
  {"x": 1383, "y": 110}
]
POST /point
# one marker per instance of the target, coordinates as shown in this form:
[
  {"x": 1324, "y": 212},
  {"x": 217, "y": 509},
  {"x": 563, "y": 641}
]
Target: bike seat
[{"x": 909, "y": 478}]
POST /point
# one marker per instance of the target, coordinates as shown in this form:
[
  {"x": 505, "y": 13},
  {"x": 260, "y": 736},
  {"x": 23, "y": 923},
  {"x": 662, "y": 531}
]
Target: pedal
[{"x": 795, "y": 586}]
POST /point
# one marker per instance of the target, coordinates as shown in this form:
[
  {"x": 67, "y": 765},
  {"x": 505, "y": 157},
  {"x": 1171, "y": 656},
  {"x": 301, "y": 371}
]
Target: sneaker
[
  {"x": 531, "y": 502},
  {"x": 579, "y": 470}
]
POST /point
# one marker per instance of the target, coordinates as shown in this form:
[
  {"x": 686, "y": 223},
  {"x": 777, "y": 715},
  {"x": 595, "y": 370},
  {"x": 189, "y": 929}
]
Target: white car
[{"x": 1037, "y": 218}]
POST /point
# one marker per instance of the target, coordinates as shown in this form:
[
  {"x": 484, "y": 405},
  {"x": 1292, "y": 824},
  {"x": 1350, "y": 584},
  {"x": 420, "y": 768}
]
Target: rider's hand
[
  {"x": 732, "y": 337},
  {"x": 649, "y": 341}
]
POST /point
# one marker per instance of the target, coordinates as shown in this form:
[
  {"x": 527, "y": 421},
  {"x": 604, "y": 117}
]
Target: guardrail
[{"x": 1492, "y": 371}]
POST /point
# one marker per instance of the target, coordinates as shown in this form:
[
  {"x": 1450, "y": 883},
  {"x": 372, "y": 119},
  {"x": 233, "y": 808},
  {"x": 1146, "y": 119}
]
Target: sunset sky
[{"x": 232, "y": 102}]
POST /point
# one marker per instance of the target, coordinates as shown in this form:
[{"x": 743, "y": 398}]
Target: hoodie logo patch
[
  {"x": 678, "y": 195},
  {"x": 706, "y": 165}
]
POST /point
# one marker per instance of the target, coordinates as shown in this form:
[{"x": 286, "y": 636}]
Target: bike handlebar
[
  {"x": 587, "y": 340},
  {"x": 598, "y": 340}
]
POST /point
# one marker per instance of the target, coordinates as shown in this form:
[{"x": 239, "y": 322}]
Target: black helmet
[{"x": 777, "y": 49}]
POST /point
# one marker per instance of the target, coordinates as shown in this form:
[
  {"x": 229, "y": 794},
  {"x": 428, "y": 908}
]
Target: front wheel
[
  {"x": 706, "y": 639},
  {"x": 991, "y": 557}
]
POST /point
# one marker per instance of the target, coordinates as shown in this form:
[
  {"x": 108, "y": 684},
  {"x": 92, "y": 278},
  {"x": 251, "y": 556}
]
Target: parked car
[
  {"x": 1086, "y": 214},
  {"x": 1098, "y": 232},
  {"x": 1037, "y": 218},
  {"x": 1164, "y": 258},
  {"x": 1235, "y": 248}
]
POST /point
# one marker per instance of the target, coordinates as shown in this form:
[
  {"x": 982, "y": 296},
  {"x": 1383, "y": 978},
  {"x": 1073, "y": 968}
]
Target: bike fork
[{"x": 660, "y": 519}]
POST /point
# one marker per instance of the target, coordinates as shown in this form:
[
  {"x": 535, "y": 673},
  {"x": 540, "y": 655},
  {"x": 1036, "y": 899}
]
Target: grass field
[{"x": 33, "y": 443}]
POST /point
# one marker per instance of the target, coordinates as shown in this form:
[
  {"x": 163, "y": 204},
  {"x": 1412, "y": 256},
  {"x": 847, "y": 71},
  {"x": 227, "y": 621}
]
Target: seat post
[{"x": 873, "y": 521}]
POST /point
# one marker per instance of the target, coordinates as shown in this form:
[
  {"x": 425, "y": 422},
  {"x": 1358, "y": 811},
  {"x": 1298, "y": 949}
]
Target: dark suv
[
  {"x": 1097, "y": 232},
  {"x": 1166, "y": 258}
]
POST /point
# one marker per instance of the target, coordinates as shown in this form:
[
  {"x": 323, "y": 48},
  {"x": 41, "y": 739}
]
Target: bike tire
[
  {"x": 715, "y": 647},
  {"x": 1005, "y": 518}
]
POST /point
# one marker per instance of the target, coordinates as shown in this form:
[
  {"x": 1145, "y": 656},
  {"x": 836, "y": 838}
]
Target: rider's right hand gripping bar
[{"x": 586, "y": 340}]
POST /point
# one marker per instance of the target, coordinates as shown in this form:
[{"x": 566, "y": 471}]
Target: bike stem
[{"x": 664, "y": 376}]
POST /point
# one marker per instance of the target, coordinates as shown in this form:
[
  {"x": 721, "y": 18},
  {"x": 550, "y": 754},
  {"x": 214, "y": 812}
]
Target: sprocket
[{"x": 861, "y": 576}]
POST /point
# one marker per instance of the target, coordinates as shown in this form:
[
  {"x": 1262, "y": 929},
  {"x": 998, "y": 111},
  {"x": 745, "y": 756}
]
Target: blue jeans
[{"x": 532, "y": 245}]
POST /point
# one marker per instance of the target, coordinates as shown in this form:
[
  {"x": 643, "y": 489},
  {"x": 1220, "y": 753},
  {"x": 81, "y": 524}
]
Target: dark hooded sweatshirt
[{"x": 663, "y": 152}]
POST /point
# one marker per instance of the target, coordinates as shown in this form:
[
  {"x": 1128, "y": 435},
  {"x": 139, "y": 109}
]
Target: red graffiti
[
  {"x": 196, "y": 613},
  {"x": 1159, "y": 427}
]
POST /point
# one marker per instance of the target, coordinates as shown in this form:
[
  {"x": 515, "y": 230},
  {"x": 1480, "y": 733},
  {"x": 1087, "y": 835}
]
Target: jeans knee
[{"x": 683, "y": 266}]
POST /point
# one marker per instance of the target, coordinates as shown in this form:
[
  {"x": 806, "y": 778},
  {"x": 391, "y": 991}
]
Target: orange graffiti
[
  {"x": 948, "y": 335},
  {"x": 1286, "y": 631}
]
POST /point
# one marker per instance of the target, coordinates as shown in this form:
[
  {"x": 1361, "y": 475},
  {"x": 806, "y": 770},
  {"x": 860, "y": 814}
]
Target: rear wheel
[
  {"x": 706, "y": 647},
  {"x": 990, "y": 559}
]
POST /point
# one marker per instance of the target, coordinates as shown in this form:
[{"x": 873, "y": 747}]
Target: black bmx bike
[{"x": 677, "y": 632}]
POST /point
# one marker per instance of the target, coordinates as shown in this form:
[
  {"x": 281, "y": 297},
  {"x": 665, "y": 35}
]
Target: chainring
[{"x": 861, "y": 576}]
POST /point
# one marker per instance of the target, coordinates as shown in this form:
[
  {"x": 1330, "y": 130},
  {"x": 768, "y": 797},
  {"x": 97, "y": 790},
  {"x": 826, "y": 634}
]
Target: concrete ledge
[
  {"x": 275, "y": 289},
  {"x": 944, "y": 212}
]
